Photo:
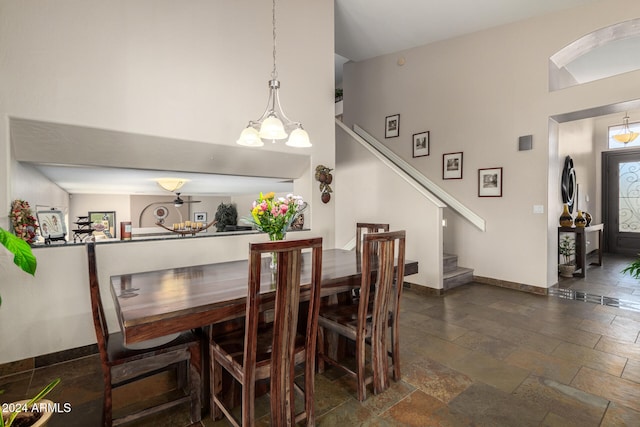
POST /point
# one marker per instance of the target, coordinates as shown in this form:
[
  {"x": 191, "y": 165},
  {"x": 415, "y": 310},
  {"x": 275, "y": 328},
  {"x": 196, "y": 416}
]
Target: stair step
[
  {"x": 449, "y": 262},
  {"x": 457, "y": 277}
]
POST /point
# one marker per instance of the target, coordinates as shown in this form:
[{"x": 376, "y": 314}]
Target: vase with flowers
[
  {"x": 274, "y": 215},
  {"x": 23, "y": 222}
]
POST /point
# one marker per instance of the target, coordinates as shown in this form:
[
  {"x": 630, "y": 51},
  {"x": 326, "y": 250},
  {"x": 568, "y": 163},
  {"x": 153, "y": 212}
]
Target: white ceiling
[
  {"x": 103, "y": 180},
  {"x": 368, "y": 28}
]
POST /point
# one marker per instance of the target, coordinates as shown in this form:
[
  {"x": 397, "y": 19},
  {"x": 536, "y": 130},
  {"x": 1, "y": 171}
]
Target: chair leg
[
  {"x": 215, "y": 384},
  {"x": 195, "y": 392},
  {"x": 248, "y": 401},
  {"x": 395, "y": 353},
  {"x": 360, "y": 369},
  {"x": 107, "y": 408},
  {"x": 320, "y": 345}
]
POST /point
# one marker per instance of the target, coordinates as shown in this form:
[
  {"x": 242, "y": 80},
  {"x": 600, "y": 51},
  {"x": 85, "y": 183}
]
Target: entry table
[{"x": 581, "y": 246}]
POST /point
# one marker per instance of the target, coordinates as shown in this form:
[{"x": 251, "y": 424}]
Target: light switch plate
[{"x": 538, "y": 209}]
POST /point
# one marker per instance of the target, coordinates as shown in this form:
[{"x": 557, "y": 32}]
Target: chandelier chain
[{"x": 274, "y": 73}]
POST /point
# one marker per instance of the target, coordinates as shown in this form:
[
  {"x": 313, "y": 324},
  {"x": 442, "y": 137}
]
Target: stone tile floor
[{"x": 479, "y": 356}]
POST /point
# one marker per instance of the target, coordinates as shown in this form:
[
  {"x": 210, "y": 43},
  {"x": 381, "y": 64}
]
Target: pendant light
[
  {"x": 627, "y": 135},
  {"x": 274, "y": 125}
]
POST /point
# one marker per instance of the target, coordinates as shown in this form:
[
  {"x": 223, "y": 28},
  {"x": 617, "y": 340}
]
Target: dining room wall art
[
  {"x": 490, "y": 182},
  {"x": 392, "y": 126},
  {"x": 452, "y": 165},
  {"x": 325, "y": 178},
  {"x": 420, "y": 142}
]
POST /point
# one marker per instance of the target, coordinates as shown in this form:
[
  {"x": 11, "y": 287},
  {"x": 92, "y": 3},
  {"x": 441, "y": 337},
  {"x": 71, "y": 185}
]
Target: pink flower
[{"x": 284, "y": 208}]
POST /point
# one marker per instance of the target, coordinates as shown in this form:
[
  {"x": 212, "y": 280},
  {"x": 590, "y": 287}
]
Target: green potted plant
[
  {"x": 567, "y": 248},
  {"x": 34, "y": 412},
  {"x": 22, "y": 255},
  {"x": 633, "y": 269}
]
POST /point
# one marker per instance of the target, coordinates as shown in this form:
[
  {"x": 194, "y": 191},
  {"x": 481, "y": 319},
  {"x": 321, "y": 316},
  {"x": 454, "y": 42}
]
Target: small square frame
[
  {"x": 200, "y": 217},
  {"x": 452, "y": 165},
  {"x": 420, "y": 144},
  {"x": 392, "y": 126},
  {"x": 490, "y": 182},
  {"x": 105, "y": 218}
]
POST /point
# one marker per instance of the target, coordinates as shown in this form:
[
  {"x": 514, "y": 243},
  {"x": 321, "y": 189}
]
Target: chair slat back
[
  {"x": 99, "y": 319},
  {"x": 366, "y": 227},
  {"x": 382, "y": 269},
  {"x": 285, "y": 323}
]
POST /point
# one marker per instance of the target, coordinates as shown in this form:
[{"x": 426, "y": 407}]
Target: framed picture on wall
[
  {"x": 104, "y": 221},
  {"x": 490, "y": 182},
  {"x": 452, "y": 165},
  {"x": 200, "y": 217},
  {"x": 392, "y": 126},
  {"x": 421, "y": 144}
]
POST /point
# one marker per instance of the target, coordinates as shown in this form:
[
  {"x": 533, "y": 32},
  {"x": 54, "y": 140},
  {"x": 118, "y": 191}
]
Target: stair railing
[{"x": 428, "y": 188}]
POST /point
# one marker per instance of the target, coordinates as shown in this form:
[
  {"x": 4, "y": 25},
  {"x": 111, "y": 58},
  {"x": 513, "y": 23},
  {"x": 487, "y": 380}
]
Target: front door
[{"x": 621, "y": 197}]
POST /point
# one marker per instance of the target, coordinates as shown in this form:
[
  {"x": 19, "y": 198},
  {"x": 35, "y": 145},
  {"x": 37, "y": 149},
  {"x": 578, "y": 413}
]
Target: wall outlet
[{"x": 538, "y": 209}]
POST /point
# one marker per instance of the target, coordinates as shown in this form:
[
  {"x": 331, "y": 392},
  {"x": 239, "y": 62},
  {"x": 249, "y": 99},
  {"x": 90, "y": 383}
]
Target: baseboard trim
[
  {"x": 511, "y": 285},
  {"x": 423, "y": 290},
  {"x": 18, "y": 366}
]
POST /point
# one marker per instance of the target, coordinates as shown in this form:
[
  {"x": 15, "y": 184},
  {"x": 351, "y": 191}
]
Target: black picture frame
[
  {"x": 490, "y": 182},
  {"x": 420, "y": 142},
  {"x": 452, "y": 165},
  {"x": 392, "y": 126}
]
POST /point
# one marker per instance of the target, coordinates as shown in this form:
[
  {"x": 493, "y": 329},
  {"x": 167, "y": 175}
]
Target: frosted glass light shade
[
  {"x": 627, "y": 137},
  {"x": 249, "y": 137},
  {"x": 299, "y": 138},
  {"x": 272, "y": 128},
  {"x": 171, "y": 184}
]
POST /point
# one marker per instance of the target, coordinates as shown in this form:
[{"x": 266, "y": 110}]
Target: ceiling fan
[{"x": 179, "y": 201}]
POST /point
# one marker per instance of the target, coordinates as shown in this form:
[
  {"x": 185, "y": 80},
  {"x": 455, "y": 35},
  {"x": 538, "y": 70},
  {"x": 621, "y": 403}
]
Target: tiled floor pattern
[{"x": 479, "y": 356}]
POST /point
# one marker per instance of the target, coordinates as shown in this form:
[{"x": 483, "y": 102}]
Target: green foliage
[
  {"x": 31, "y": 402},
  {"x": 633, "y": 269},
  {"x": 227, "y": 214},
  {"x": 22, "y": 255},
  {"x": 567, "y": 248}
]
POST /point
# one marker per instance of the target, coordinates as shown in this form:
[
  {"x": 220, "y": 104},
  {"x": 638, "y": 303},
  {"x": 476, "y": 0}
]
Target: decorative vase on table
[
  {"x": 274, "y": 215},
  {"x": 580, "y": 221},
  {"x": 274, "y": 237},
  {"x": 566, "y": 220}
]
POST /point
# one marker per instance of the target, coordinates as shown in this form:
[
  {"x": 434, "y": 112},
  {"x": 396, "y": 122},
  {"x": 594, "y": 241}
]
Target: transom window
[{"x": 619, "y": 129}]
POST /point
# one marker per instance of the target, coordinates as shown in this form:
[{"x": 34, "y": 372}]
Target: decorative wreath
[{"x": 23, "y": 222}]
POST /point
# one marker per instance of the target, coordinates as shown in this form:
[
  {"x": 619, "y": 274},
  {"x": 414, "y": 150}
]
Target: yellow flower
[{"x": 269, "y": 195}]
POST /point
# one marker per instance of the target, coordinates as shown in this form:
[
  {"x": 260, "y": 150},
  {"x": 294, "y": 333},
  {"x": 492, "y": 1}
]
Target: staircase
[{"x": 453, "y": 275}]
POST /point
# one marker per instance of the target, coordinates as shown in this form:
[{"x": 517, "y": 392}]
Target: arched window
[{"x": 603, "y": 53}]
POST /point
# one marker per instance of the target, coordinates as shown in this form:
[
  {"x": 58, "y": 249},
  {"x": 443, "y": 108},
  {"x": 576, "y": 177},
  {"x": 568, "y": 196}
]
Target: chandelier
[
  {"x": 171, "y": 184},
  {"x": 274, "y": 124},
  {"x": 627, "y": 135}
]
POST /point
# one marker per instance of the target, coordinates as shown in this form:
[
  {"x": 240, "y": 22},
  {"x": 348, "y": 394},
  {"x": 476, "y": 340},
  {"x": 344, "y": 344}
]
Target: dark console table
[{"x": 581, "y": 246}]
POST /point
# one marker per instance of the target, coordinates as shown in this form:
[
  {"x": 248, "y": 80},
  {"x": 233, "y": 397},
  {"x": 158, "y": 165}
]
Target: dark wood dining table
[
  {"x": 154, "y": 304},
  {"x": 157, "y": 303}
]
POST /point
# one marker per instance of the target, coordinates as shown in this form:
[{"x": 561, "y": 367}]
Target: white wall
[
  {"x": 29, "y": 184},
  {"x": 477, "y": 94},
  {"x": 189, "y": 70},
  {"x": 368, "y": 191}
]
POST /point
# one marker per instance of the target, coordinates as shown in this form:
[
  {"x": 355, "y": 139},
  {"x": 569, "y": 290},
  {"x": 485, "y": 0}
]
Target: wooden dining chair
[
  {"x": 366, "y": 227},
  {"x": 121, "y": 366},
  {"x": 272, "y": 350},
  {"x": 368, "y": 322}
]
